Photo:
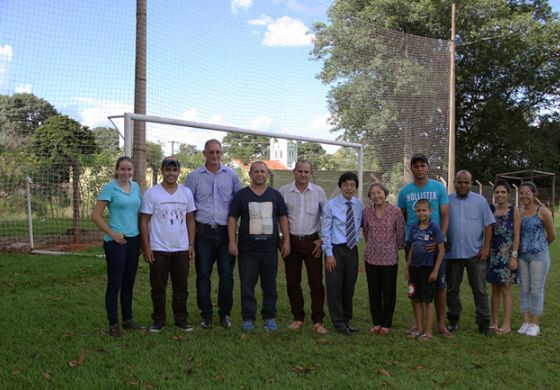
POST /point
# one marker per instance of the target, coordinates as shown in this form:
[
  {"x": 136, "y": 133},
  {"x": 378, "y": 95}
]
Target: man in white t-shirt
[{"x": 167, "y": 226}]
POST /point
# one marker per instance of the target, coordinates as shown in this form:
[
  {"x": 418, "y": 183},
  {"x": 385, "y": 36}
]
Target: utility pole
[
  {"x": 451, "y": 152},
  {"x": 173, "y": 146},
  {"x": 139, "y": 143}
]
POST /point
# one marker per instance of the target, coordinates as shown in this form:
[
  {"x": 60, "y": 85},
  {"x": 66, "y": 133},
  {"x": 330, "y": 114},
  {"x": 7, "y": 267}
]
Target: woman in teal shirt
[{"x": 121, "y": 244}]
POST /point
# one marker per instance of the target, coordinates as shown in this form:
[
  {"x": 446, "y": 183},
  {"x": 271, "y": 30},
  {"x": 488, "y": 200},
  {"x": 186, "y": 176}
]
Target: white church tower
[{"x": 283, "y": 150}]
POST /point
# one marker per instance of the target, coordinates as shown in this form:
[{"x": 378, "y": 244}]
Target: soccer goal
[{"x": 270, "y": 147}]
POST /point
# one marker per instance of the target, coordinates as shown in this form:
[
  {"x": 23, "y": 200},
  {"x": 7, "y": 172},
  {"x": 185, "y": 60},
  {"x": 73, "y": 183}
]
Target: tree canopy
[
  {"x": 246, "y": 147},
  {"x": 507, "y": 75},
  {"x": 20, "y": 115}
]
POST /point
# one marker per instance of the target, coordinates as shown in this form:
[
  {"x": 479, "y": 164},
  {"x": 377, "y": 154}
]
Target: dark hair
[
  {"x": 419, "y": 157},
  {"x": 303, "y": 161},
  {"x": 212, "y": 141},
  {"x": 258, "y": 162},
  {"x": 170, "y": 160},
  {"x": 531, "y": 186},
  {"x": 423, "y": 201},
  {"x": 119, "y": 161},
  {"x": 502, "y": 183},
  {"x": 380, "y": 185},
  {"x": 346, "y": 176}
]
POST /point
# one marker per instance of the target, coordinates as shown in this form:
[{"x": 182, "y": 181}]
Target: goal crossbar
[{"x": 129, "y": 134}]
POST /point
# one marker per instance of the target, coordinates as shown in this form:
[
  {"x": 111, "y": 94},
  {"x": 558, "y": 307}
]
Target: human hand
[
  {"x": 191, "y": 252},
  {"x": 149, "y": 256},
  {"x": 431, "y": 247},
  {"x": 118, "y": 238},
  {"x": 512, "y": 264},
  {"x": 317, "y": 249},
  {"x": 433, "y": 276},
  {"x": 286, "y": 248},
  {"x": 330, "y": 263},
  {"x": 233, "y": 249},
  {"x": 484, "y": 253}
]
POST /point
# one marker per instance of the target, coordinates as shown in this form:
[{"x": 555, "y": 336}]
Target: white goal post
[{"x": 129, "y": 135}]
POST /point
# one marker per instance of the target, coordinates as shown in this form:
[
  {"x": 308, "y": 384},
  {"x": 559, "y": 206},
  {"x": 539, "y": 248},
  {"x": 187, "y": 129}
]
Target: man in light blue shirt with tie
[
  {"x": 213, "y": 186},
  {"x": 342, "y": 219}
]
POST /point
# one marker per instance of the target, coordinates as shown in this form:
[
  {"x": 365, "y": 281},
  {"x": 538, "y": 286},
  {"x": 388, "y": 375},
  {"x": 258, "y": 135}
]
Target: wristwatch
[{"x": 514, "y": 254}]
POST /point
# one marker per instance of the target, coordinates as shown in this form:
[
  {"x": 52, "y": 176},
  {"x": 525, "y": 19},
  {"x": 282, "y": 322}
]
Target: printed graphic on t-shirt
[
  {"x": 260, "y": 218},
  {"x": 172, "y": 213}
]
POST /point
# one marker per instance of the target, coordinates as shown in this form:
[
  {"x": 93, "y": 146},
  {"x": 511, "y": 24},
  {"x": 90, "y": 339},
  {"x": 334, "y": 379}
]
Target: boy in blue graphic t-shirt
[{"x": 422, "y": 266}]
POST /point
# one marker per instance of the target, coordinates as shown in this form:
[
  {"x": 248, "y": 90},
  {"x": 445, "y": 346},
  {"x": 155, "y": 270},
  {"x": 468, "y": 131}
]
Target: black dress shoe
[
  {"x": 453, "y": 326},
  {"x": 485, "y": 330},
  {"x": 225, "y": 321},
  {"x": 343, "y": 331},
  {"x": 351, "y": 329}
]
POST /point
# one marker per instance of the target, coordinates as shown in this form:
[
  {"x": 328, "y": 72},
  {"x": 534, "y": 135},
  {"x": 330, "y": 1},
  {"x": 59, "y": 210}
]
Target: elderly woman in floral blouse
[{"x": 384, "y": 231}]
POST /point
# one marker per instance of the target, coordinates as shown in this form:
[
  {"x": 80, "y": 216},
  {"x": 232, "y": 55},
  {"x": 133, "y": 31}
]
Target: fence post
[{"x": 28, "y": 183}]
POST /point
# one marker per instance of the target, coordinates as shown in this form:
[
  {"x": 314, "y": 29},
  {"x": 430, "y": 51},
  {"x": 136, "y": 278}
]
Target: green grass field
[{"x": 54, "y": 336}]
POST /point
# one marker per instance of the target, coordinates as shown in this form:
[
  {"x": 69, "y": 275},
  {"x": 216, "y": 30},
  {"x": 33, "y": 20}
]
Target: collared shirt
[
  {"x": 304, "y": 208},
  {"x": 468, "y": 217},
  {"x": 213, "y": 193},
  {"x": 333, "y": 231}
]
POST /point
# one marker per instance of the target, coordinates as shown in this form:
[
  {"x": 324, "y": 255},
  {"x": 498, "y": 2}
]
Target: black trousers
[{"x": 382, "y": 288}]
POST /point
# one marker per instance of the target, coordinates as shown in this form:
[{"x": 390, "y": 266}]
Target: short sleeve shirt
[
  {"x": 419, "y": 238},
  {"x": 433, "y": 191},
  {"x": 123, "y": 208},
  {"x": 168, "y": 224},
  {"x": 258, "y": 230}
]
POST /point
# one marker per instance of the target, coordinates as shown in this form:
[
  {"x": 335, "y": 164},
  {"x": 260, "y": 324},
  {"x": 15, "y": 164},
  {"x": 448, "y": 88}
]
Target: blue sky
[{"x": 243, "y": 63}]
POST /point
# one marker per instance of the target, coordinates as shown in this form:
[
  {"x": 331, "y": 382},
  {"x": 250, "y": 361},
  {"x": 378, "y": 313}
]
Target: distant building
[{"x": 284, "y": 151}]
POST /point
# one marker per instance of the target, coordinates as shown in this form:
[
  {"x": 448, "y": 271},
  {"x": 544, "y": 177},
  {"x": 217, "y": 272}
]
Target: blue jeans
[
  {"x": 533, "y": 269},
  {"x": 251, "y": 267},
  {"x": 122, "y": 263},
  {"x": 212, "y": 246}
]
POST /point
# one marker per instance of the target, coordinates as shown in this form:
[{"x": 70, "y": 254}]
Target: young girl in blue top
[{"x": 121, "y": 244}]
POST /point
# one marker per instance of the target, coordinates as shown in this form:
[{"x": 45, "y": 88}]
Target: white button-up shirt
[{"x": 304, "y": 208}]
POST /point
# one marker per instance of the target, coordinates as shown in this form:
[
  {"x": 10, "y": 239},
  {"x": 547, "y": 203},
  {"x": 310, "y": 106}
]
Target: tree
[
  {"x": 107, "y": 138},
  {"x": 154, "y": 157},
  {"x": 246, "y": 147},
  {"x": 20, "y": 115},
  {"x": 62, "y": 146},
  {"x": 508, "y": 66},
  {"x": 190, "y": 157},
  {"x": 313, "y": 152}
]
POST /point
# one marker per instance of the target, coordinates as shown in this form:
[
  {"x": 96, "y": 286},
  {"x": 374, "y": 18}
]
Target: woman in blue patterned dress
[
  {"x": 502, "y": 264},
  {"x": 537, "y": 233}
]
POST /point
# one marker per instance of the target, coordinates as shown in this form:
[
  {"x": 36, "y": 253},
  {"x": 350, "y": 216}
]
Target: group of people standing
[{"x": 212, "y": 219}]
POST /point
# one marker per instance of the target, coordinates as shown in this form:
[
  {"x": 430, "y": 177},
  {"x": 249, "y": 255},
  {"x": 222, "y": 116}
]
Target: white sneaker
[
  {"x": 533, "y": 330},
  {"x": 524, "y": 328}
]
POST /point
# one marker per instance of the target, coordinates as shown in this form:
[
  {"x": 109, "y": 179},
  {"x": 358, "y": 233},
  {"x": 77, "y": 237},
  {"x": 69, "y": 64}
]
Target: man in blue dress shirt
[
  {"x": 469, "y": 235},
  {"x": 340, "y": 230},
  {"x": 213, "y": 186}
]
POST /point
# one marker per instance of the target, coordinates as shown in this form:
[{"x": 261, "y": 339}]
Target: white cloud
[
  {"x": 264, "y": 20},
  {"x": 6, "y": 56},
  {"x": 191, "y": 114},
  {"x": 24, "y": 88},
  {"x": 286, "y": 31},
  {"x": 261, "y": 122},
  {"x": 237, "y": 4},
  {"x": 217, "y": 119},
  {"x": 94, "y": 112},
  {"x": 319, "y": 124}
]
